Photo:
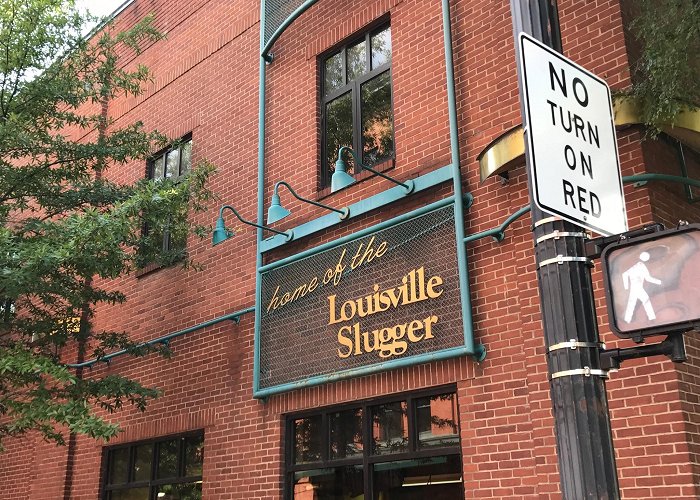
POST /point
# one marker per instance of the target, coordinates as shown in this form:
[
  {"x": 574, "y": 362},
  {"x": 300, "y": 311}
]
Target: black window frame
[
  {"x": 367, "y": 458},
  {"x": 163, "y": 153},
  {"x": 354, "y": 87},
  {"x": 152, "y": 484},
  {"x": 150, "y": 175},
  {"x": 7, "y": 310}
]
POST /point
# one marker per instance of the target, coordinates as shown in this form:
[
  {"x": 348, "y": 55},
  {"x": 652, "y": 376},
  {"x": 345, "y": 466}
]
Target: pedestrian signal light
[{"x": 652, "y": 283}]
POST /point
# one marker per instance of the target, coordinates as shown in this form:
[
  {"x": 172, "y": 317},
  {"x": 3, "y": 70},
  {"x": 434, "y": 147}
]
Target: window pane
[
  {"x": 131, "y": 494},
  {"x": 381, "y": 48},
  {"x": 194, "y": 455},
  {"x": 142, "y": 462},
  {"x": 346, "y": 433},
  {"x": 186, "y": 161},
  {"x": 173, "y": 163},
  {"x": 357, "y": 60},
  {"x": 338, "y": 128},
  {"x": 340, "y": 483},
  {"x": 437, "y": 421},
  {"x": 377, "y": 120},
  {"x": 167, "y": 459},
  {"x": 437, "y": 478},
  {"x": 183, "y": 491},
  {"x": 307, "y": 439},
  {"x": 390, "y": 428},
  {"x": 333, "y": 78},
  {"x": 158, "y": 167},
  {"x": 119, "y": 466}
]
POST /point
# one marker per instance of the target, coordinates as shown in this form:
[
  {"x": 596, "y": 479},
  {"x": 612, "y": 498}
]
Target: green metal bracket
[
  {"x": 498, "y": 233},
  {"x": 165, "y": 339},
  {"x": 641, "y": 179},
  {"x": 638, "y": 180},
  {"x": 362, "y": 207}
]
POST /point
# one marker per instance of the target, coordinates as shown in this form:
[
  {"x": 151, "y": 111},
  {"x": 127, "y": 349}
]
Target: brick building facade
[{"x": 207, "y": 87}]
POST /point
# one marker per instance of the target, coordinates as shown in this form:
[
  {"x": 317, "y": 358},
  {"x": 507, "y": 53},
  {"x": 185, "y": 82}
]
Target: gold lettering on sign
[
  {"x": 287, "y": 297},
  {"x": 336, "y": 274},
  {"x": 414, "y": 288},
  {"x": 369, "y": 253},
  {"x": 387, "y": 341},
  {"x": 363, "y": 255}
]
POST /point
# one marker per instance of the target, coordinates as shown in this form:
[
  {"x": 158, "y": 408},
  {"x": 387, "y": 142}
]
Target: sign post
[{"x": 577, "y": 382}]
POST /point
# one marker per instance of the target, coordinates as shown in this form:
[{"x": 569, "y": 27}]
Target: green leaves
[
  {"x": 47, "y": 397},
  {"x": 67, "y": 230},
  {"x": 667, "y": 73}
]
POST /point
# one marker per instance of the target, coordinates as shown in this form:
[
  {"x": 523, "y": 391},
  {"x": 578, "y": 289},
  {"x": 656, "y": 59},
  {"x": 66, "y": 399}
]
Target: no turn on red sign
[{"x": 572, "y": 142}]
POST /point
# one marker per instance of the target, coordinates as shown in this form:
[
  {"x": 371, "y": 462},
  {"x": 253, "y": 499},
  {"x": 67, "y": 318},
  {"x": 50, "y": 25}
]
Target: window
[
  {"x": 170, "y": 163},
  {"x": 405, "y": 448},
  {"x": 356, "y": 101},
  {"x": 166, "y": 469},
  {"x": 7, "y": 310}
]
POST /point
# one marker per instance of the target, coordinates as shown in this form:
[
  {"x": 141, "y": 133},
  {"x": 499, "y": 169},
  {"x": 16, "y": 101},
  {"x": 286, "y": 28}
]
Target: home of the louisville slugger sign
[
  {"x": 367, "y": 304},
  {"x": 366, "y": 322}
]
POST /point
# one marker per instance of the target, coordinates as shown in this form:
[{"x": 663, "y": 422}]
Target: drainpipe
[
  {"x": 478, "y": 351},
  {"x": 261, "y": 195}
]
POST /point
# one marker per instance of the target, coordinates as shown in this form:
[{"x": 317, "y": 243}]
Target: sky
[{"x": 99, "y": 7}]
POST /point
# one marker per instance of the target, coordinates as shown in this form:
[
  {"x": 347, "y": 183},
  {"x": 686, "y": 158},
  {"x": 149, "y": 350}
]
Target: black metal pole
[{"x": 577, "y": 383}]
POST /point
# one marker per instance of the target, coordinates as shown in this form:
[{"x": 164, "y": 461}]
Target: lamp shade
[
  {"x": 220, "y": 232},
  {"x": 340, "y": 178},
  {"x": 276, "y": 211}
]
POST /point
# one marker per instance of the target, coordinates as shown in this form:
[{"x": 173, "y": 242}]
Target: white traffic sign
[{"x": 573, "y": 147}]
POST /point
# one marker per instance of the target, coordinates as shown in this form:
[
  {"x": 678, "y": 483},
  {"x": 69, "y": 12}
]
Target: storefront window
[
  {"x": 307, "y": 432},
  {"x": 390, "y": 428},
  {"x": 414, "y": 452},
  {"x": 163, "y": 469},
  {"x": 143, "y": 462},
  {"x": 194, "y": 454},
  {"x": 437, "y": 421},
  {"x": 346, "y": 433},
  {"x": 435, "y": 478},
  {"x": 337, "y": 483},
  {"x": 167, "y": 459}
]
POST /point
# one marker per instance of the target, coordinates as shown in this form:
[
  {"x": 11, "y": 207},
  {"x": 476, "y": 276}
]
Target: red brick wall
[
  {"x": 206, "y": 82},
  {"x": 16, "y": 467}
]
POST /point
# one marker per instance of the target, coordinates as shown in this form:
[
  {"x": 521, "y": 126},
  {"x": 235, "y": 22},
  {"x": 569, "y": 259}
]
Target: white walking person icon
[{"x": 634, "y": 279}]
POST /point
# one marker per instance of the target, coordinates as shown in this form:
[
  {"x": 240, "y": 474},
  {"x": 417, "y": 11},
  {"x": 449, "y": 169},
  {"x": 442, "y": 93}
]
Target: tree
[
  {"x": 65, "y": 229},
  {"x": 667, "y": 72}
]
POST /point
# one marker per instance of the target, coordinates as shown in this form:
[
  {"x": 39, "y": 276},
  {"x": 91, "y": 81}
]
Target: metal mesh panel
[
  {"x": 276, "y": 12},
  {"x": 297, "y": 340}
]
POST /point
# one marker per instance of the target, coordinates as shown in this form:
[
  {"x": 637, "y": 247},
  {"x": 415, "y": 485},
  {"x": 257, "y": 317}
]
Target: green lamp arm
[
  {"x": 288, "y": 234},
  {"x": 344, "y": 212},
  {"x": 408, "y": 186}
]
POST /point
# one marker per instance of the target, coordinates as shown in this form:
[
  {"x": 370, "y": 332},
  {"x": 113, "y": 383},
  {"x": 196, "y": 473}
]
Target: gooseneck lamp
[
  {"x": 277, "y": 211},
  {"x": 341, "y": 178},
  {"x": 220, "y": 232}
]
